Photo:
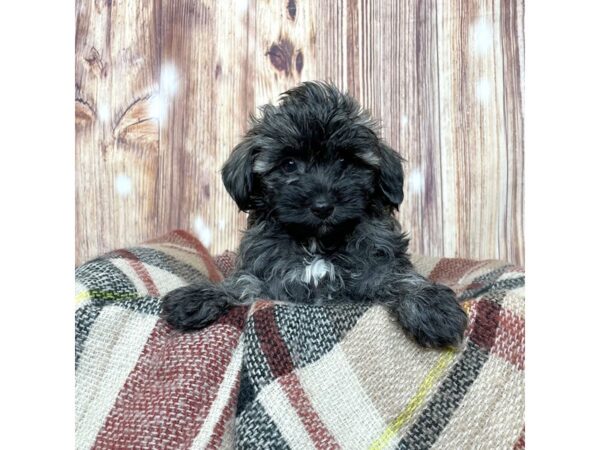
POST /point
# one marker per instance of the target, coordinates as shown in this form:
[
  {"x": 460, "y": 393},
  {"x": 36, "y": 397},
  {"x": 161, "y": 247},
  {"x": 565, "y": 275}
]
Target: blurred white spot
[
  {"x": 169, "y": 84},
  {"x": 242, "y": 6},
  {"x": 103, "y": 112},
  {"x": 416, "y": 182},
  {"x": 482, "y": 36},
  {"x": 123, "y": 184},
  {"x": 483, "y": 90},
  {"x": 169, "y": 80},
  {"x": 202, "y": 231},
  {"x": 221, "y": 224},
  {"x": 158, "y": 108},
  {"x": 404, "y": 120}
]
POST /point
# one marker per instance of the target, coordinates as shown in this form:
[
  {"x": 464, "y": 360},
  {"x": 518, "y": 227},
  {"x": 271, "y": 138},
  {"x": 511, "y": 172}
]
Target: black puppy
[{"x": 321, "y": 188}]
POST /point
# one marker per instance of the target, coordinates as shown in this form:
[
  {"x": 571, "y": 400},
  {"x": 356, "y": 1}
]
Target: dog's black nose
[{"x": 321, "y": 207}]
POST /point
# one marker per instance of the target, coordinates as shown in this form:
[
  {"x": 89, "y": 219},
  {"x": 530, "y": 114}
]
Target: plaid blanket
[{"x": 290, "y": 377}]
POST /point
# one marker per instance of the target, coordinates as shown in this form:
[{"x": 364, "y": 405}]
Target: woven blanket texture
[{"x": 276, "y": 376}]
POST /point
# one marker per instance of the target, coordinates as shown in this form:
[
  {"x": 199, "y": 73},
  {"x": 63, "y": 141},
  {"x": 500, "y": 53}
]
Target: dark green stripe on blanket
[
  {"x": 305, "y": 333},
  {"x": 166, "y": 262},
  {"x": 97, "y": 276},
  {"x": 85, "y": 317},
  {"x": 434, "y": 418},
  {"x": 254, "y": 426},
  {"x": 310, "y": 331},
  {"x": 255, "y": 367},
  {"x": 489, "y": 282}
]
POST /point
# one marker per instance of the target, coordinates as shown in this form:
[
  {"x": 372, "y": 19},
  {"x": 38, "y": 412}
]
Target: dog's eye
[{"x": 289, "y": 166}]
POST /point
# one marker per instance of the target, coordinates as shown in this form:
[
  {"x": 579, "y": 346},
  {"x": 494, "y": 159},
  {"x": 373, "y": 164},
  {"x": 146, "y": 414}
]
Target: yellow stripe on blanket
[
  {"x": 432, "y": 376},
  {"x": 104, "y": 295},
  {"x": 81, "y": 296}
]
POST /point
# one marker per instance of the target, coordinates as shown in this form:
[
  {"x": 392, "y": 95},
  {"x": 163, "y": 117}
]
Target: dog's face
[{"x": 314, "y": 163}]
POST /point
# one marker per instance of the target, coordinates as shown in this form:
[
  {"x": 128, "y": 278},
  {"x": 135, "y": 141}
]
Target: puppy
[{"x": 320, "y": 188}]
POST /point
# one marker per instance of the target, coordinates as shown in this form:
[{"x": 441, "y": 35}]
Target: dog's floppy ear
[
  {"x": 237, "y": 173},
  {"x": 391, "y": 175}
]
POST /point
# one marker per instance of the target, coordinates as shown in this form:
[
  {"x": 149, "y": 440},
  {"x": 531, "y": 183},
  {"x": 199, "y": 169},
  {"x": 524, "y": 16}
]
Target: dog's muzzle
[{"x": 322, "y": 207}]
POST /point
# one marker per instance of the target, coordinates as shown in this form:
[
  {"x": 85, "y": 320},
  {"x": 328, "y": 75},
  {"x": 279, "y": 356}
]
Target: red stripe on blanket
[
  {"x": 510, "y": 339},
  {"x": 520, "y": 444},
  {"x": 213, "y": 272},
  {"x": 226, "y": 416},
  {"x": 169, "y": 393},
  {"x": 174, "y": 238},
  {"x": 498, "y": 330},
  {"x": 140, "y": 270},
  {"x": 226, "y": 263},
  {"x": 281, "y": 364},
  {"x": 483, "y": 323},
  {"x": 316, "y": 429},
  {"x": 451, "y": 270},
  {"x": 271, "y": 342}
]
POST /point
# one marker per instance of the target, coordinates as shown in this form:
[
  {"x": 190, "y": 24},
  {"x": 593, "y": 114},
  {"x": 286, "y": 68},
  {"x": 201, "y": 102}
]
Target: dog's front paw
[
  {"x": 433, "y": 317},
  {"x": 193, "y": 307}
]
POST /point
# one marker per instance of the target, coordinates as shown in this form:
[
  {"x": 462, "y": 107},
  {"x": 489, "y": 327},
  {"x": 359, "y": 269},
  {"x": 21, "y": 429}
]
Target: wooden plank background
[{"x": 164, "y": 90}]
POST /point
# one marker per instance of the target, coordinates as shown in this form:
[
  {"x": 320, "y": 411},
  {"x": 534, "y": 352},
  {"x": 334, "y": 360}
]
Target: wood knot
[
  {"x": 291, "y": 9},
  {"x": 281, "y": 55},
  {"x": 96, "y": 64}
]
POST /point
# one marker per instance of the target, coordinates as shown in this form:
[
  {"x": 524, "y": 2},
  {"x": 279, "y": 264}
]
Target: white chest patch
[{"x": 317, "y": 270}]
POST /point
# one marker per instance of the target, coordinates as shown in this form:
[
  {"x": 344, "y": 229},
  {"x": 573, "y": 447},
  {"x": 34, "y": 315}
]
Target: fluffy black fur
[{"x": 320, "y": 187}]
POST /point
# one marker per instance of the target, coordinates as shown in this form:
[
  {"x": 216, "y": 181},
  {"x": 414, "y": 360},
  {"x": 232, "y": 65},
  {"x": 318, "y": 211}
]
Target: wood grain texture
[{"x": 164, "y": 90}]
